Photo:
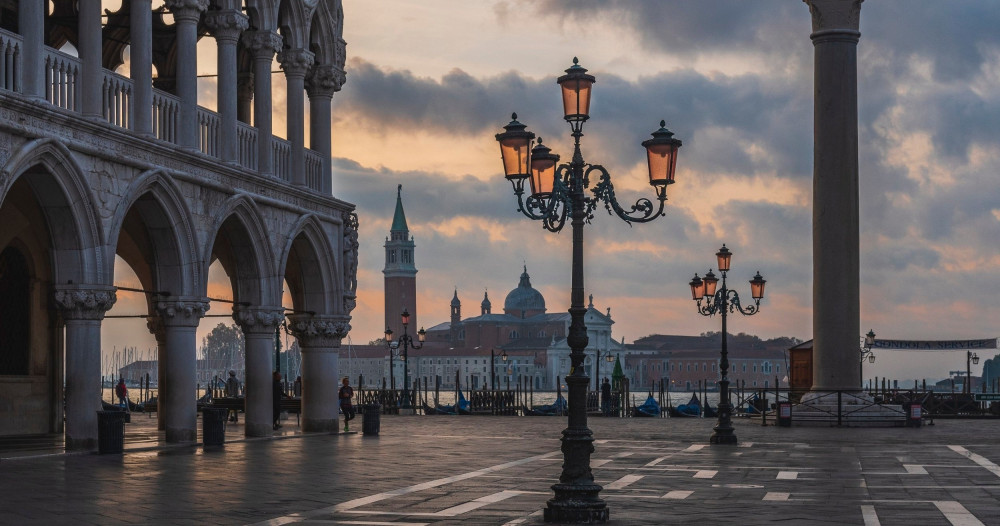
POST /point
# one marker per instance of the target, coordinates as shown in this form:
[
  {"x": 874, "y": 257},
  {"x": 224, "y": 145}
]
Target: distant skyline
[{"x": 429, "y": 86}]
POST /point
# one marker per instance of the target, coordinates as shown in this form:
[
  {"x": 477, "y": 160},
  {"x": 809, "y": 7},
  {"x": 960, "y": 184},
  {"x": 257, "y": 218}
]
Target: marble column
[
  {"x": 187, "y": 13},
  {"x": 244, "y": 96},
  {"x": 836, "y": 299},
  {"x": 91, "y": 81},
  {"x": 155, "y": 325},
  {"x": 259, "y": 324},
  {"x": 296, "y": 63},
  {"x": 263, "y": 45},
  {"x": 323, "y": 81},
  {"x": 180, "y": 318},
  {"x": 319, "y": 338},
  {"x": 31, "y": 21},
  {"x": 227, "y": 26},
  {"x": 82, "y": 308},
  {"x": 141, "y": 65}
]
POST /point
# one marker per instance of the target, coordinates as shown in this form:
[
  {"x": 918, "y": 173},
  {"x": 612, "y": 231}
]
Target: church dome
[{"x": 524, "y": 299}]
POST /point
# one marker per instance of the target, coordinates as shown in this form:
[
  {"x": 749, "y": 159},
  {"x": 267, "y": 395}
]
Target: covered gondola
[
  {"x": 650, "y": 408},
  {"x": 556, "y": 408},
  {"x": 690, "y": 409}
]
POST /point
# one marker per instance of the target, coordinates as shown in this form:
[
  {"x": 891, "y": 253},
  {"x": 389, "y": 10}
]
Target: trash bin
[
  {"x": 213, "y": 426},
  {"x": 111, "y": 431},
  {"x": 785, "y": 414},
  {"x": 914, "y": 415},
  {"x": 371, "y": 414}
]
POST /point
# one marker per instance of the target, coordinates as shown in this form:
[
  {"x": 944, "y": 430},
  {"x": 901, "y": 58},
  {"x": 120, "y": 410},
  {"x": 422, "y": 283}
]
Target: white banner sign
[{"x": 935, "y": 345}]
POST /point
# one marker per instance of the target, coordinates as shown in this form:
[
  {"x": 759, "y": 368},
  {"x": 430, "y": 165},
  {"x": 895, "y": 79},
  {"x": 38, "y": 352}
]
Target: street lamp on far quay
[
  {"x": 973, "y": 358},
  {"x": 597, "y": 365},
  {"x": 866, "y": 352},
  {"x": 561, "y": 191},
  {"x": 493, "y": 367},
  {"x": 722, "y": 302},
  {"x": 406, "y": 342}
]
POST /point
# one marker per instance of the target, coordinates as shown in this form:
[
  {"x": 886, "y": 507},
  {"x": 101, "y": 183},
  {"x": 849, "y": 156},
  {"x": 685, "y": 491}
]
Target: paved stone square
[{"x": 497, "y": 470}]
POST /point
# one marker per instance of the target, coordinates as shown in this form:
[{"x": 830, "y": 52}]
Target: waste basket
[
  {"x": 371, "y": 414},
  {"x": 213, "y": 426},
  {"x": 785, "y": 414},
  {"x": 914, "y": 415},
  {"x": 111, "y": 431}
]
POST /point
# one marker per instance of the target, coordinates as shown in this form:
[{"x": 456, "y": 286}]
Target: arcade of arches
[{"x": 95, "y": 164}]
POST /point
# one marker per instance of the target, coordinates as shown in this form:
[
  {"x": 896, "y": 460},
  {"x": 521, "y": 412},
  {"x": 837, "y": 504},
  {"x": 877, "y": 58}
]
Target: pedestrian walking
[
  {"x": 233, "y": 391},
  {"x": 606, "y": 397},
  {"x": 121, "y": 391},
  {"x": 346, "y": 396}
]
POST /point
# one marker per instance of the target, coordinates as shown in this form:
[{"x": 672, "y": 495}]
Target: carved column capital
[
  {"x": 84, "y": 302},
  {"x": 296, "y": 62},
  {"x": 187, "y": 10},
  {"x": 324, "y": 80},
  {"x": 263, "y": 44},
  {"x": 228, "y": 25},
  {"x": 317, "y": 332},
  {"x": 258, "y": 320},
  {"x": 183, "y": 311},
  {"x": 828, "y": 15}
]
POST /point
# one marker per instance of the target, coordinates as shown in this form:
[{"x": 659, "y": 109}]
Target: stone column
[
  {"x": 836, "y": 302},
  {"x": 91, "y": 78},
  {"x": 180, "y": 318},
  {"x": 258, "y": 324},
  {"x": 159, "y": 332},
  {"x": 296, "y": 63},
  {"x": 141, "y": 64},
  {"x": 31, "y": 22},
  {"x": 319, "y": 338},
  {"x": 82, "y": 308},
  {"x": 244, "y": 96},
  {"x": 227, "y": 26},
  {"x": 263, "y": 45},
  {"x": 187, "y": 13},
  {"x": 323, "y": 81}
]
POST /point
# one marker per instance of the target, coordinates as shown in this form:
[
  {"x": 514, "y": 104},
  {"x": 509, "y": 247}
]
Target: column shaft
[
  {"x": 31, "y": 21},
  {"x": 320, "y": 386},
  {"x": 324, "y": 80},
  {"x": 187, "y": 76},
  {"x": 227, "y": 27},
  {"x": 141, "y": 64},
  {"x": 836, "y": 298},
  {"x": 179, "y": 407},
  {"x": 259, "y": 399},
  {"x": 83, "y": 382},
  {"x": 262, "y": 112},
  {"x": 91, "y": 80},
  {"x": 296, "y": 131}
]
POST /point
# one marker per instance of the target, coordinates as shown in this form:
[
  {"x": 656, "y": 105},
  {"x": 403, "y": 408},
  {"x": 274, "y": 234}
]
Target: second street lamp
[
  {"x": 722, "y": 302},
  {"x": 405, "y": 342},
  {"x": 558, "y": 192}
]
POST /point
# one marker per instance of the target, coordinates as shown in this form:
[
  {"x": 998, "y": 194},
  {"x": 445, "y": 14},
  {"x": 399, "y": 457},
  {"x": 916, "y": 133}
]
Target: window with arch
[
  {"x": 392, "y": 256},
  {"x": 514, "y": 335},
  {"x": 406, "y": 256}
]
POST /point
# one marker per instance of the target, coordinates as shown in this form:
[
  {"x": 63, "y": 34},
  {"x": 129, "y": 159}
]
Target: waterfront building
[{"x": 100, "y": 159}]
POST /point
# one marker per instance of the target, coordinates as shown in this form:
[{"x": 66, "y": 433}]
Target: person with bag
[{"x": 346, "y": 396}]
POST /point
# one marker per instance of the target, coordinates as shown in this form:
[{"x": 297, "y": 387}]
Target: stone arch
[
  {"x": 294, "y": 17},
  {"x": 263, "y": 14},
  {"x": 159, "y": 240},
  {"x": 58, "y": 183},
  {"x": 246, "y": 253},
  {"x": 309, "y": 266},
  {"x": 325, "y": 32}
]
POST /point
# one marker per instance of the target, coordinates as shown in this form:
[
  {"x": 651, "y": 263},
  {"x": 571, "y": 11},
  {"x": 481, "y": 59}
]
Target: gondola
[
  {"x": 461, "y": 408},
  {"x": 556, "y": 408},
  {"x": 708, "y": 411},
  {"x": 132, "y": 406},
  {"x": 649, "y": 409},
  {"x": 690, "y": 409}
]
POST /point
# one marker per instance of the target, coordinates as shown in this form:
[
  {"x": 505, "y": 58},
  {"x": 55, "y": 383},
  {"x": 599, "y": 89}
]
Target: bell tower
[{"x": 400, "y": 272}]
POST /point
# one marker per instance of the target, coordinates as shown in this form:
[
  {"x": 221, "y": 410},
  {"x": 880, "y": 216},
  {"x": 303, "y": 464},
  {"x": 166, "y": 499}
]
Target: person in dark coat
[
  {"x": 278, "y": 392},
  {"x": 606, "y": 396}
]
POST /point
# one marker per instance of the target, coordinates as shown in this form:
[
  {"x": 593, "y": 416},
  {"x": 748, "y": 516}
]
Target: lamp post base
[
  {"x": 720, "y": 436},
  {"x": 576, "y": 503}
]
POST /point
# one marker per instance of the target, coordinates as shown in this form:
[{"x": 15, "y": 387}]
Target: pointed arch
[
  {"x": 326, "y": 31},
  {"x": 248, "y": 255},
  {"x": 172, "y": 251},
  {"x": 263, "y": 14},
  {"x": 294, "y": 18},
  {"x": 58, "y": 182},
  {"x": 309, "y": 266}
]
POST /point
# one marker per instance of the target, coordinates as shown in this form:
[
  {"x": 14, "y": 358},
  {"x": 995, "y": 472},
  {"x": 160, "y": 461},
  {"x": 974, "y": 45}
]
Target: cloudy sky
[{"x": 431, "y": 82}]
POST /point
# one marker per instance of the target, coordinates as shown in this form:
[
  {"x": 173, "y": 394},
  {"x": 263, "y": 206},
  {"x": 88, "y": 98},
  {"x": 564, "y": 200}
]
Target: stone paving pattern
[{"x": 497, "y": 471}]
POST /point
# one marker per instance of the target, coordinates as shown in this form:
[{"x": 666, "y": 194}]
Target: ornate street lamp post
[
  {"x": 867, "y": 353},
  {"x": 722, "y": 302},
  {"x": 597, "y": 366},
  {"x": 974, "y": 358},
  {"x": 493, "y": 367},
  {"x": 405, "y": 341},
  {"x": 555, "y": 193}
]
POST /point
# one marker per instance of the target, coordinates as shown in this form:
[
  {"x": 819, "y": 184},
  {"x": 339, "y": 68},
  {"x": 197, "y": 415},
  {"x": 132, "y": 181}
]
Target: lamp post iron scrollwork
[
  {"x": 724, "y": 301},
  {"x": 558, "y": 192}
]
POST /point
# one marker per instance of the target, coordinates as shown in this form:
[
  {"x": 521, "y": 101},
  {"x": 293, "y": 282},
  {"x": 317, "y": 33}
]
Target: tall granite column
[
  {"x": 82, "y": 309},
  {"x": 227, "y": 26},
  {"x": 296, "y": 63},
  {"x": 323, "y": 81},
  {"x": 180, "y": 318},
  {"x": 31, "y": 23},
  {"x": 258, "y": 324},
  {"x": 187, "y": 14},
  {"x": 836, "y": 299},
  {"x": 89, "y": 44},
  {"x": 141, "y": 65},
  {"x": 263, "y": 45},
  {"x": 319, "y": 338}
]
